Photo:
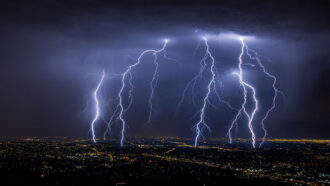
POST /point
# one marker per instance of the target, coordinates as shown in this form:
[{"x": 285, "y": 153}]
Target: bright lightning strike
[
  {"x": 207, "y": 64},
  {"x": 97, "y": 108},
  {"x": 243, "y": 109},
  {"x": 275, "y": 89},
  {"x": 121, "y": 109},
  {"x": 211, "y": 90},
  {"x": 202, "y": 123},
  {"x": 154, "y": 81}
]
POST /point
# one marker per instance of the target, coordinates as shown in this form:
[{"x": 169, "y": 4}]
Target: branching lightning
[
  {"x": 211, "y": 90},
  {"x": 154, "y": 81},
  {"x": 121, "y": 109},
  {"x": 192, "y": 84},
  {"x": 243, "y": 109},
  {"x": 275, "y": 89},
  {"x": 245, "y": 85},
  {"x": 202, "y": 123},
  {"x": 97, "y": 107},
  {"x": 207, "y": 65}
]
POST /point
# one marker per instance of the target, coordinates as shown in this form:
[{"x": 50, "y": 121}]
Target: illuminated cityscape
[{"x": 164, "y": 161}]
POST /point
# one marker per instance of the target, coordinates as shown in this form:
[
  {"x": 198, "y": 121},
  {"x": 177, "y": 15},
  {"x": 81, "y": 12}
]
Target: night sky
[{"x": 52, "y": 54}]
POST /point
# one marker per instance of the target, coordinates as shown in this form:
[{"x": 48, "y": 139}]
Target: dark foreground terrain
[{"x": 163, "y": 161}]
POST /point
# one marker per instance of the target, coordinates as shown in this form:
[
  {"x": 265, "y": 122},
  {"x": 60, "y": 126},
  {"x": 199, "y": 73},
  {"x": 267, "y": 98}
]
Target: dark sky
[{"x": 52, "y": 54}]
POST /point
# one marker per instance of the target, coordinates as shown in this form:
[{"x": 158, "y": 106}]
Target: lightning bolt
[
  {"x": 243, "y": 109},
  {"x": 275, "y": 89},
  {"x": 154, "y": 81},
  {"x": 211, "y": 90},
  {"x": 202, "y": 123},
  {"x": 121, "y": 109},
  {"x": 97, "y": 108},
  {"x": 192, "y": 83},
  {"x": 207, "y": 63}
]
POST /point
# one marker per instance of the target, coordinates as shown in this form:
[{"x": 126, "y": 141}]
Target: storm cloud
[{"x": 52, "y": 54}]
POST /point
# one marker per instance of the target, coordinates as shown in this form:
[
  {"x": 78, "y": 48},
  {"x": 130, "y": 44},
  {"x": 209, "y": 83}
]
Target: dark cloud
[{"x": 51, "y": 53}]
